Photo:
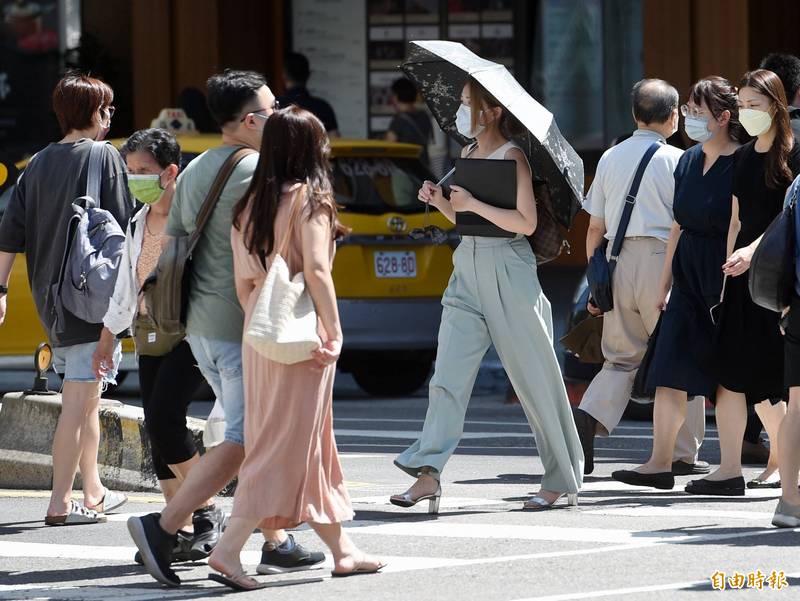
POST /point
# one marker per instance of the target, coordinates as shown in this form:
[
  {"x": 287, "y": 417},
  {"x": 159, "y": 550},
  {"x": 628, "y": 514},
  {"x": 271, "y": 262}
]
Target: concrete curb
[{"x": 27, "y": 424}]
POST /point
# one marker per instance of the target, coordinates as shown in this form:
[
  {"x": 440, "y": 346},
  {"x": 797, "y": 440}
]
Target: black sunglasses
[{"x": 276, "y": 106}]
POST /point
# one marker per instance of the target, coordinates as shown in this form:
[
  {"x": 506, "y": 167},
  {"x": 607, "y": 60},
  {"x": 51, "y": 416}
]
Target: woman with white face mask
[
  {"x": 691, "y": 279},
  {"x": 494, "y": 297},
  {"x": 748, "y": 354},
  {"x": 168, "y": 373}
]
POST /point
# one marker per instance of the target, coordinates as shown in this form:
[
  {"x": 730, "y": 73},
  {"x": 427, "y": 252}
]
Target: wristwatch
[{"x": 3, "y": 289}]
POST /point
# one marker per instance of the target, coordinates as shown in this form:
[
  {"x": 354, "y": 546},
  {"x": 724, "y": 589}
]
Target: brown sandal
[
  {"x": 238, "y": 582},
  {"x": 359, "y": 569}
]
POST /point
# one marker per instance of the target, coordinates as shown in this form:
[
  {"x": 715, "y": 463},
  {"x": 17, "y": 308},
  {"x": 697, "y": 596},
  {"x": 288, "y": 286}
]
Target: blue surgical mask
[{"x": 697, "y": 128}]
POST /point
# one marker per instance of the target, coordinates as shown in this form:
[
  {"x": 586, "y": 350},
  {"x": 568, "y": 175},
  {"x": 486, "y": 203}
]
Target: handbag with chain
[
  {"x": 283, "y": 326},
  {"x": 601, "y": 269}
]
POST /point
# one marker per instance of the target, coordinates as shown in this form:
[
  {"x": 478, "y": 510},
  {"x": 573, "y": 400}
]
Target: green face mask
[{"x": 146, "y": 188}]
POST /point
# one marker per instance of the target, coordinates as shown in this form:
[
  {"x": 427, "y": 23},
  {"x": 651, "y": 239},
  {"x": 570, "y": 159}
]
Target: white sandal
[
  {"x": 111, "y": 500},
  {"x": 76, "y": 514}
]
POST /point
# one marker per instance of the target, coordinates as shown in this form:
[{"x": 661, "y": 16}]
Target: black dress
[
  {"x": 748, "y": 349},
  {"x": 702, "y": 207}
]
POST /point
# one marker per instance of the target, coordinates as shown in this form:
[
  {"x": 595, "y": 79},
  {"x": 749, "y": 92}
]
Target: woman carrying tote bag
[{"x": 291, "y": 472}]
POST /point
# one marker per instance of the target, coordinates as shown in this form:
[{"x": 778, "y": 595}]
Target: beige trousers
[{"x": 626, "y": 330}]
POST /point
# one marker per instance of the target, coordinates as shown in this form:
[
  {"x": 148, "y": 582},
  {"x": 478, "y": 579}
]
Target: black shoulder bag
[
  {"x": 771, "y": 279},
  {"x": 601, "y": 270}
]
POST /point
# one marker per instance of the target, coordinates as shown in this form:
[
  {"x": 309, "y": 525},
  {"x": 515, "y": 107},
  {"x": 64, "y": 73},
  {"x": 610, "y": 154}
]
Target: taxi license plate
[{"x": 396, "y": 264}]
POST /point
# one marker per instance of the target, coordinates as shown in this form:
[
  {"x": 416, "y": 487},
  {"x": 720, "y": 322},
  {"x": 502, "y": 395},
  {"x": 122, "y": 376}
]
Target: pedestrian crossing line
[
  {"x": 412, "y": 435},
  {"x": 697, "y": 585},
  {"x": 395, "y": 564},
  {"x": 449, "y": 530},
  {"x": 676, "y": 512}
]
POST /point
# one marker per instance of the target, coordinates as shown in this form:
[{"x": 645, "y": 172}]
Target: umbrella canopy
[{"x": 441, "y": 68}]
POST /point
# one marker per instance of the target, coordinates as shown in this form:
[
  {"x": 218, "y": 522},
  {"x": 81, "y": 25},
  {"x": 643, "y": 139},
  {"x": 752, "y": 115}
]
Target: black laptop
[{"x": 491, "y": 181}]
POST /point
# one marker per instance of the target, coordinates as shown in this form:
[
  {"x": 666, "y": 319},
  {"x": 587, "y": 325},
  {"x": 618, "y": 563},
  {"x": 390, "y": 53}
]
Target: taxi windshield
[{"x": 376, "y": 185}]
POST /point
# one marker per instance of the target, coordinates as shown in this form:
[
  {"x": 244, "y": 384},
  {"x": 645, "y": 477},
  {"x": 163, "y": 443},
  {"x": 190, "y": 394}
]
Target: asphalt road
[{"x": 620, "y": 543}]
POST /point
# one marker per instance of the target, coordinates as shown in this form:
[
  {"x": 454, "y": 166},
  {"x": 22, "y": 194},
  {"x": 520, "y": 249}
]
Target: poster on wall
[{"x": 332, "y": 34}]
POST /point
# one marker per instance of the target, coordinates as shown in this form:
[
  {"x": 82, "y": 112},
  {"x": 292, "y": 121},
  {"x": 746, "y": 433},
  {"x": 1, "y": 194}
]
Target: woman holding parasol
[{"x": 494, "y": 297}]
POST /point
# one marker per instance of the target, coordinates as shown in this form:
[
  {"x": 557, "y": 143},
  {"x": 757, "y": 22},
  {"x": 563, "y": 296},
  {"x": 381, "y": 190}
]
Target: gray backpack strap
[{"x": 95, "y": 173}]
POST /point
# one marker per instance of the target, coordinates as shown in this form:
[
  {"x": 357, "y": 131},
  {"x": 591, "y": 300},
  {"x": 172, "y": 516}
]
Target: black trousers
[{"x": 168, "y": 383}]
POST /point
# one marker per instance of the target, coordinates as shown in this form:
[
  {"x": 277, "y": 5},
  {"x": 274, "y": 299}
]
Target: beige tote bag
[{"x": 283, "y": 327}]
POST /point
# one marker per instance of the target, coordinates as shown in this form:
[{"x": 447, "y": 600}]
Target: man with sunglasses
[{"x": 241, "y": 103}]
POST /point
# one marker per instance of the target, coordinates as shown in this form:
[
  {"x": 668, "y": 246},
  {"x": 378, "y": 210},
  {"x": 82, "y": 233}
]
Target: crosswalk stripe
[
  {"x": 697, "y": 585},
  {"x": 414, "y": 434}
]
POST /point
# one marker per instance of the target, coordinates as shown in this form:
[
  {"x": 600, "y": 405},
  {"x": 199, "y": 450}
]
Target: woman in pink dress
[{"x": 291, "y": 473}]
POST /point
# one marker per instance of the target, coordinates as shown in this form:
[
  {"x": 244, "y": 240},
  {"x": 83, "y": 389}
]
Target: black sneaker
[
  {"x": 155, "y": 547},
  {"x": 181, "y": 553},
  {"x": 288, "y": 557},
  {"x": 207, "y": 523}
]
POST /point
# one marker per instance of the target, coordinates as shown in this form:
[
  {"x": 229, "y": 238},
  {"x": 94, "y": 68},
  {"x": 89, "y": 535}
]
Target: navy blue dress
[{"x": 702, "y": 207}]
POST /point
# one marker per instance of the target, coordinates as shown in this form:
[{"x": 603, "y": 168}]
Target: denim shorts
[
  {"x": 74, "y": 363},
  {"x": 220, "y": 361}
]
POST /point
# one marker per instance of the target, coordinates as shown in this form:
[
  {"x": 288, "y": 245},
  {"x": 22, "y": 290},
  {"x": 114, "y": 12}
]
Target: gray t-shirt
[
  {"x": 214, "y": 310},
  {"x": 37, "y": 217}
]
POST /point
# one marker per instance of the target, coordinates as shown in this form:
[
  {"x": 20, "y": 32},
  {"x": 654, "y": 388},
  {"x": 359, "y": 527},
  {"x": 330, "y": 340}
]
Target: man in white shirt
[{"x": 628, "y": 326}]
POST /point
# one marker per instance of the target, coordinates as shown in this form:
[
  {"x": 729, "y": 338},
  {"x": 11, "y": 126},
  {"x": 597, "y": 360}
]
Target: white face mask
[
  {"x": 464, "y": 122},
  {"x": 755, "y": 122}
]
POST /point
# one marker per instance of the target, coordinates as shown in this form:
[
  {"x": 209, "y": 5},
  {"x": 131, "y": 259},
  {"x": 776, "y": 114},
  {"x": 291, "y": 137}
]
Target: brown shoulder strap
[{"x": 215, "y": 191}]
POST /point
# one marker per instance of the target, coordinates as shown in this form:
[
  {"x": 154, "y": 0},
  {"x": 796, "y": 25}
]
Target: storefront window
[{"x": 588, "y": 55}]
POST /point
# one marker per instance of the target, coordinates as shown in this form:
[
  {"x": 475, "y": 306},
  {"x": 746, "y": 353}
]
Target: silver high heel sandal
[
  {"x": 405, "y": 500},
  {"x": 537, "y": 503}
]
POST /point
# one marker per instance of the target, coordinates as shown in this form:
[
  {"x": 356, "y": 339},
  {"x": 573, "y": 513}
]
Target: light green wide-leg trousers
[{"x": 494, "y": 297}]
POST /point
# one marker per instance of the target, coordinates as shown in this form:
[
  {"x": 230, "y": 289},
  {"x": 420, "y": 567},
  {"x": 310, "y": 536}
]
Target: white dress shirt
[{"x": 652, "y": 215}]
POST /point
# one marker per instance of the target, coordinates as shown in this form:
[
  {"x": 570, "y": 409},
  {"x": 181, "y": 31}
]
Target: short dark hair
[
  {"x": 76, "y": 98},
  {"x": 230, "y": 91},
  {"x": 159, "y": 143},
  {"x": 653, "y": 101},
  {"x": 787, "y": 68},
  {"x": 404, "y": 89},
  {"x": 296, "y": 67}
]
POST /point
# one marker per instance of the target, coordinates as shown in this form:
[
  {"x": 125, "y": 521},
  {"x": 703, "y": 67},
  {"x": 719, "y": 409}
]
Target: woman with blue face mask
[
  {"x": 168, "y": 374},
  {"x": 494, "y": 297},
  {"x": 691, "y": 281}
]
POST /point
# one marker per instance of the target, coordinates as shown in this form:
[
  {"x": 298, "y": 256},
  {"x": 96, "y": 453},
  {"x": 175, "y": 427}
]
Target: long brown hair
[
  {"x": 294, "y": 148},
  {"x": 719, "y": 96},
  {"x": 480, "y": 98},
  {"x": 777, "y": 172}
]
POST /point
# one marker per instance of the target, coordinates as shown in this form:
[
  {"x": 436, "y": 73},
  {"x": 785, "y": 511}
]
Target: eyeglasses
[
  {"x": 276, "y": 106},
  {"x": 692, "y": 111}
]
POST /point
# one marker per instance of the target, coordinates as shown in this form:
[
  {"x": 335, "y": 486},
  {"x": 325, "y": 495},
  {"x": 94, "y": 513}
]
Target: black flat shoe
[
  {"x": 732, "y": 487},
  {"x": 587, "y": 428},
  {"x": 682, "y": 468},
  {"x": 661, "y": 480}
]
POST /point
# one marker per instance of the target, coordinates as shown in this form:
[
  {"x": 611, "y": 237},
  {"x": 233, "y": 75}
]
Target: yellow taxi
[{"x": 389, "y": 285}]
